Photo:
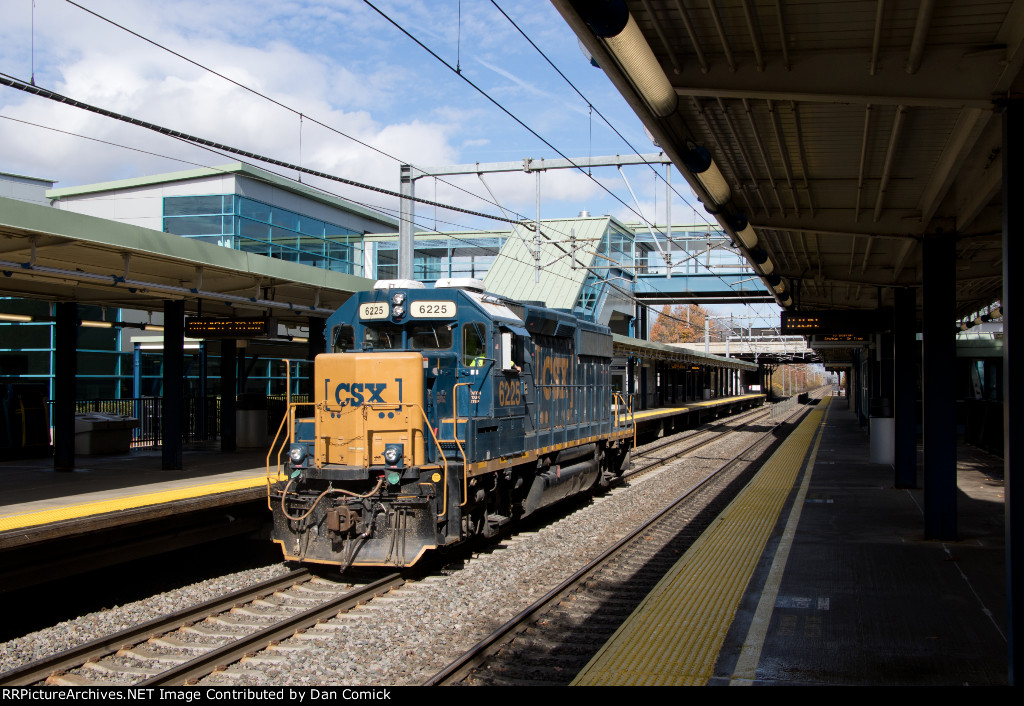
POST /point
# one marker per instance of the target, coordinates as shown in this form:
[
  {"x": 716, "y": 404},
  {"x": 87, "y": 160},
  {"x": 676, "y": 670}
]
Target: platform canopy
[
  {"x": 843, "y": 132},
  {"x": 55, "y": 255}
]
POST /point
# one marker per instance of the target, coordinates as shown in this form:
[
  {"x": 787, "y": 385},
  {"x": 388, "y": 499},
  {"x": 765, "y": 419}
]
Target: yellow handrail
[
  {"x": 455, "y": 437},
  {"x": 288, "y": 417},
  {"x": 627, "y": 404}
]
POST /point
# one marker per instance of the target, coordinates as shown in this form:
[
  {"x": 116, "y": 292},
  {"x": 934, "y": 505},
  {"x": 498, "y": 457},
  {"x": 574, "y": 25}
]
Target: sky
[{"x": 338, "y": 63}]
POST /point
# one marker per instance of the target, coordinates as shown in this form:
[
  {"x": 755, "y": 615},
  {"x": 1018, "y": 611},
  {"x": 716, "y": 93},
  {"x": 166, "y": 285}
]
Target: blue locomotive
[{"x": 442, "y": 414}]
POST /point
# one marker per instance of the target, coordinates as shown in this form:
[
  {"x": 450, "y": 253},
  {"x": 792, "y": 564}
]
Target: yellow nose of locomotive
[{"x": 371, "y": 402}]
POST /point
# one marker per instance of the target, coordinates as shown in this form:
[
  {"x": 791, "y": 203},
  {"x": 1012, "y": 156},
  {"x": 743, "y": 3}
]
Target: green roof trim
[
  {"x": 233, "y": 168},
  {"x": 90, "y": 229},
  {"x": 26, "y": 176}
]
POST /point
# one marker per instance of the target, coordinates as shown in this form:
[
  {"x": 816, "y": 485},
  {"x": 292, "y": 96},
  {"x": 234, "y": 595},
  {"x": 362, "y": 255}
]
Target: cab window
[
  {"x": 382, "y": 336},
  {"x": 343, "y": 338},
  {"x": 474, "y": 345},
  {"x": 511, "y": 351},
  {"x": 435, "y": 336}
]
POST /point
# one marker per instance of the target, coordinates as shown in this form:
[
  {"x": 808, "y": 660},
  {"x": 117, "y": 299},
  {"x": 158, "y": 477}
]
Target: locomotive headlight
[
  {"x": 398, "y": 312},
  {"x": 393, "y": 455},
  {"x": 297, "y": 453},
  {"x": 398, "y": 298}
]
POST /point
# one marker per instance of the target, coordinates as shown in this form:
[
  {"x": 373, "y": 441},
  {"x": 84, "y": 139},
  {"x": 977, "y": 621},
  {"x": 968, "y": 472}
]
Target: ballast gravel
[{"x": 425, "y": 624}]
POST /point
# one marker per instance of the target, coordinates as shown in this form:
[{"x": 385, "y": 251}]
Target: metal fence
[
  {"x": 780, "y": 410},
  {"x": 201, "y": 416}
]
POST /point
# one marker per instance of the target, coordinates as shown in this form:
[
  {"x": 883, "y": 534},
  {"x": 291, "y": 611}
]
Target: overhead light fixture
[
  {"x": 698, "y": 160},
  {"x": 612, "y": 22},
  {"x": 748, "y": 237},
  {"x": 761, "y": 259},
  {"x": 152, "y": 327},
  {"x": 96, "y": 324},
  {"x": 16, "y": 318},
  {"x": 638, "y": 61}
]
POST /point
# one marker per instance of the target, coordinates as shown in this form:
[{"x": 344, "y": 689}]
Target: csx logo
[
  {"x": 556, "y": 375},
  {"x": 357, "y": 393}
]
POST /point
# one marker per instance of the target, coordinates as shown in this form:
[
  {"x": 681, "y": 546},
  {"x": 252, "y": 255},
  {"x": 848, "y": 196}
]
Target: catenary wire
[
  {"x": 593, "y": 107},
  {"x": 300, "y": 114},
  {"x": 12, "y": 82}
]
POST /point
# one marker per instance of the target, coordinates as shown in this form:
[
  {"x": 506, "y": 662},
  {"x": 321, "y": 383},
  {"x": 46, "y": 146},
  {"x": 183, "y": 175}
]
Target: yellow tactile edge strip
[
  {"x": 674, "y": 636},
  {"x": 692, "y": 407},
  {"x": 99, "y": 507}
]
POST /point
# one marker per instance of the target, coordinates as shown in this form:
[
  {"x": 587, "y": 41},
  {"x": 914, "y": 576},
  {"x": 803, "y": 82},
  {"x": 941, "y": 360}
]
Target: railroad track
[
  {"x": 551, "y": 640},
  {"x": 196, "y": 642},
  {"x": 655, "y": 454},
  {"x": 167, "y": 652}
]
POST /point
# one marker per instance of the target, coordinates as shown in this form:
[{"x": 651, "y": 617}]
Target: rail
[
  {"x": 321, "y": 407},
  {"x": 201, "y": 416},
  {"x": 627, "y": 406}
]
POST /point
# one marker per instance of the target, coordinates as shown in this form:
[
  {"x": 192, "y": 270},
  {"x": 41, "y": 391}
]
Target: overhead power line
[
  {"x": 590, "y": 105},
  {"x": 302, "y": 116},
  {"x": 7, "y": 80}
]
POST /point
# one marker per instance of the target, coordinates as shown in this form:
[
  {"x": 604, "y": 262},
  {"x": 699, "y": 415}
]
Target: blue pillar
[
  {"x": 228, "y": 362},
  {"x": 317, "y": 345},
  {"x": 65, "y": 364},
  {"x": 905, "y": 386},
  {"x": 174, "y": 395}
]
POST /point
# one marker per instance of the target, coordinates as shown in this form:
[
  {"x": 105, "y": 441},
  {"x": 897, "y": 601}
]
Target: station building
[{"x": 588, "y": 265}]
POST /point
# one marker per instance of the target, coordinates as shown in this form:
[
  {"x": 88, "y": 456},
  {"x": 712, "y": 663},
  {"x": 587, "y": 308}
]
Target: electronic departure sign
[
  {"x": 211, "y": 327},
  {"x": 842, "y": 338},
  {"x": 856, "y": 323}
]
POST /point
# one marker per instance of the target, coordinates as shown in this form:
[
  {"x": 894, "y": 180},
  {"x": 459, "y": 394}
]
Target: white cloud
[{"x": 336, "y": 61}]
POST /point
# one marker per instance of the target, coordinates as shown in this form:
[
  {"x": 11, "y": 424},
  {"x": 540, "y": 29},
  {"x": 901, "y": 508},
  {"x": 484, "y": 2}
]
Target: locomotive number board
[
  {"x": 432, "y": 310},
  {"x": 374, "y": 310}
]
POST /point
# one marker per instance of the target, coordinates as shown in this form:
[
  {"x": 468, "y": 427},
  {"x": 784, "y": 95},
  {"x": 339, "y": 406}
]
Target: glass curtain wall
[
  {"x": 103, "y": 371},
  {"x": 435, "y": 258},
  {"x": 614, "y": 262},
  {"x": 241, "y": 223},
  {"x": 695, "y": 249}
]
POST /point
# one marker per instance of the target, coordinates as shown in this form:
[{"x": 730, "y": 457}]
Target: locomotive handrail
[
  {"x": 455, "y": 436},
  {"x": 288, "y": 417},
  {"x": 627, "y": 404}
]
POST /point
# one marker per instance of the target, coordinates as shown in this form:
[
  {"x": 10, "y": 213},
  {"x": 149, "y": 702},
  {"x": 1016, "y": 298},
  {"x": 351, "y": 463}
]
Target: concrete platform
[
  {"x": 844, "y": 590},
  {"x": 40, "y": 504},
  {"x": 103, "y": 491}
]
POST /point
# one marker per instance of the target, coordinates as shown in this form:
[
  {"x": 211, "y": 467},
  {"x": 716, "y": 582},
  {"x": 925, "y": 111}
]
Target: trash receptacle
[
  {"x": 882, "y": 428},
  {"x": 251, "y": 420},
  {"x": 103, "y": 433}
]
